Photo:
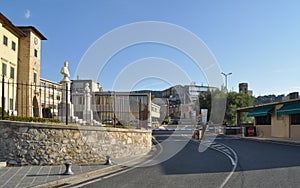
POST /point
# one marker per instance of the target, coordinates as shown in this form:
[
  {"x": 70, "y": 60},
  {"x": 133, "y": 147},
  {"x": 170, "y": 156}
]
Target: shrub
[
  {"x": 32, "y": 119},
  {"x": 5, "y": 113}
]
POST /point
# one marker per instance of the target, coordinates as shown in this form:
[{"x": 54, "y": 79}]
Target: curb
[
  {"x": 68, "y": 180},
  {"x": 75, "y": 179},
  {"x": 259, "y": 139},
  {"x": 273, "y": 141}
]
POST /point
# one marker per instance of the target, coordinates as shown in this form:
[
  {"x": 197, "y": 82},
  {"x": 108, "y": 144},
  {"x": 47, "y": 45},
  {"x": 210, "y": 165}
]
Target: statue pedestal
[
  {"x": 63, "y": 110},
  {"x": 88, "y": 116},
  {"x": 87, "y": 112}
]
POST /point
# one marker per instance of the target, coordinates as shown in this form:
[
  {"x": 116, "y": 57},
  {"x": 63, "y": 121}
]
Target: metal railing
[
  {"x": 29, "y": 99},
  {"x": 43, "y": 100}
]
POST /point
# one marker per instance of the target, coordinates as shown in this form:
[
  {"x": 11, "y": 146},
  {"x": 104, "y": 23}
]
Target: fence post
[
  {"x": 114, "y": 118},
  {"x": 67, "y": 103},
  {"x": 2, "y": 97}
]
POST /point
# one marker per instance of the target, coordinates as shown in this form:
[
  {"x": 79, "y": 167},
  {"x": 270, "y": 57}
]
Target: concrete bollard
[
  {"x": 108, "y": 161},
  {"x": 68, "y": 169}
]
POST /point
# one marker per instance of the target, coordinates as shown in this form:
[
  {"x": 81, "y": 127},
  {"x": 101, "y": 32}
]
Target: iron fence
[
  {"x": 43, "y": 99},
  {"x": 29, "y": 99}
]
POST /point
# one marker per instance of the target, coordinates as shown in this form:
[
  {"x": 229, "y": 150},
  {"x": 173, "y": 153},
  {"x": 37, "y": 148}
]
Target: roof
[
  {"x": 32, "y": 29},
  {"x": 19, "y": 30},
  {"x": 49, "y": 81},
  {"x": 249, "y": 108},
  {"x": 120, "y": 93},
  {"x": 6, "y": 23}
]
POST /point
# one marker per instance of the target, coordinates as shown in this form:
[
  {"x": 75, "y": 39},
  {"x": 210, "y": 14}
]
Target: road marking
[
  {"x": 97, "y": 178},
  {"x": 226, "y": 151},
  {"x": 234, "y": 159},
  {"x": 222, "y": 148}
]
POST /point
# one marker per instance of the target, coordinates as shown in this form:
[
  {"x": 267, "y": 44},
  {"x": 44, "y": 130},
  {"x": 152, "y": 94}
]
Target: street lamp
[{"x": 226, "y": 78}]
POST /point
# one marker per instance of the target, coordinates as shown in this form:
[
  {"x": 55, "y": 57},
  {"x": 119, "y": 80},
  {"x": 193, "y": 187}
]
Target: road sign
[{"x": 250, "y": 131}]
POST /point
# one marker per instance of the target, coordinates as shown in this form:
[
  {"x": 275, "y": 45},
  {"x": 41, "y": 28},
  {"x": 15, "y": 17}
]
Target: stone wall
[{"x": 43, "y": 144}]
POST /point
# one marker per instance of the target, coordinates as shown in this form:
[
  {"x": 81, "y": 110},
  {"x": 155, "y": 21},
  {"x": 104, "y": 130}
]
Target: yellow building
[
  {"x": 20, "y": 65},
  {"x": 275, "y": 120},
  {"x": 9, "y": 53},
  {"x": 29, "y": 72}
]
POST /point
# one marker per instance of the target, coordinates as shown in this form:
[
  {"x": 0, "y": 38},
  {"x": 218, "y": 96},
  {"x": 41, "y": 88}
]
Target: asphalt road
[
  {"x": 259, "y": 164},
  {"x": 264, "y": 164}
]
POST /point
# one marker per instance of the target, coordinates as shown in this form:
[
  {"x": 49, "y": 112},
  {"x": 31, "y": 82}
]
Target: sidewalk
[
  {"x": 52, "y": 176},
  {"x": 32, "y": 176}
]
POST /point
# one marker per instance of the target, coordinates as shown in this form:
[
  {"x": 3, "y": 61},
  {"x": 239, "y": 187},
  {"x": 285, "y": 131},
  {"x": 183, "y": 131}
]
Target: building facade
[
  {"x": 183, "y": 102},
  {"x": 107, "y": 106},
  {"x": 277, "y": 119},
  {"x": 9, "y": 54},
  {"x": 243, "y": 88},
  {"x": 20, "y": 58},
  {"x": 50, "y": 98},
  {"x": 77, "y": 95},
  {"x": 29, "y": 72},
  {"x": 125, "y": 106}
]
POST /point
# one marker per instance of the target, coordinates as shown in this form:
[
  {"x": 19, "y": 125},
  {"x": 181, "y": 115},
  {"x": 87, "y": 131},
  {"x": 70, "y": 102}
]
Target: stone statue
[
  {"x": 87, "y": 88},
  {"x": 65, "y": 107},
  {"x": 64, "y": 71},
  {"x": 87, "y": 97},
  {"x": 87, "y": 112}
]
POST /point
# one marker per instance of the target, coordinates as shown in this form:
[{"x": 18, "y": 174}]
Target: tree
[
  {"x": 234, "y": 101},
  {"x": 205, "y": 101},
  {"x": 215, "y": 101}
]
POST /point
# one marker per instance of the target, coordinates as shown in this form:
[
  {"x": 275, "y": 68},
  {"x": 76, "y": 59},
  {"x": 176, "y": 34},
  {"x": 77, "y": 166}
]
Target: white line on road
[
  {"x": 224, "y": 150},
  {"x": 233, "y": 159}
]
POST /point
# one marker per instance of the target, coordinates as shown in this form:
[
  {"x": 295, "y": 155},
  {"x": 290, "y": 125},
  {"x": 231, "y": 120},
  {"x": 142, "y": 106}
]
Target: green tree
[
  {"x": 237, "y": 100},
  {"x": 234, "y": 100},
  {"x": 205, "y": 101},
  {"x": 216, "y": 107}
]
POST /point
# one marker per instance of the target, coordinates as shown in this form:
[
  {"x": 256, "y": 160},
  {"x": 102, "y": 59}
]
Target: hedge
[{"x": 32, "y": 119}]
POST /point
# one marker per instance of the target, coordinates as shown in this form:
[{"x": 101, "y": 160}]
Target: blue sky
[{"x": 257, "y": 40}]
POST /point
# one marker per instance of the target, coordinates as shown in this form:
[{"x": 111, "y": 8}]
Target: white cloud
[{"x": 27, "y": 14}]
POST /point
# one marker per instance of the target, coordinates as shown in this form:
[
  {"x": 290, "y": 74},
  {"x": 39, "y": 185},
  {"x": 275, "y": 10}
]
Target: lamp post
[{"x": 226, "y": 78}]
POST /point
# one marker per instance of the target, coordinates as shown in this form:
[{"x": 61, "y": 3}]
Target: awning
[
  {"x": 261, "y": 111},
  {"x": 289, "y": 109}
]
